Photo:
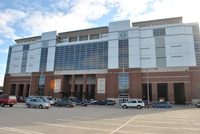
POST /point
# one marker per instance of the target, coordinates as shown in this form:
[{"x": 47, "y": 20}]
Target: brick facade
[{"x": 190, "y": 78}]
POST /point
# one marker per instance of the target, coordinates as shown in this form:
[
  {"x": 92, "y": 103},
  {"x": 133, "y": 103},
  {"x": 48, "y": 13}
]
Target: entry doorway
[
  {"x": 90, "y": 91},
  {"x": 21, "y": 89},
  {"x": 79, "y": 91},
  {"x": 179, "y": 93},
  {"x": 145, "y": 93},
  {"x": 162, "y": 90},
  {"x": 12, "y": 90}
]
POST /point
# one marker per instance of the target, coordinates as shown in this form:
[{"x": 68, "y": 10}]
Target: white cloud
[
  {"x": 3, "y": 51},
  {"x": 8, "y": 18},
  {"x": 78, "y": 17},
  {"x": 2, "y": 67},
  {"x": 141, "y": 10},
  {"x": 1, "y": 80},
  {"x": 1, "y": 42}
]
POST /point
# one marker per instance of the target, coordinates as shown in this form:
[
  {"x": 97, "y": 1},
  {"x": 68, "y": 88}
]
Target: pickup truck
[{"x": 7, "y": 100}]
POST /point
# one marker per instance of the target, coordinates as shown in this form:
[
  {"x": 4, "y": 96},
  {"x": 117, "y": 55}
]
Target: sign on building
[
  {"x": 101, "y": 85},
  {"x": 56, "y": 85}
]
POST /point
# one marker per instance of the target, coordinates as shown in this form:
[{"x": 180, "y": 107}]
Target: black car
[
  {"x": 64, "y": 102},
  {"x": 81, "y": 102},
  {"x": 106, "y": 102},
  {"x": 197, "y": 104}
]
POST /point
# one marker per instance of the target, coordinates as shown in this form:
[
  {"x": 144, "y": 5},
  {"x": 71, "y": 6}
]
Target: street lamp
[{"x": 148, "y": 87}]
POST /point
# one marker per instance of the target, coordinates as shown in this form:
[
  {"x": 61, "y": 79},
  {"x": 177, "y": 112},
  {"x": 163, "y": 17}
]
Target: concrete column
[
  {"x": 17, "y": 90},
  {"x": 84, "y": 85},
  {"x": 154, "y": 92},
  {"x": 171, "y": 92},
  {"x": 187, "y": 87},
  {"x": 72, "y": 85},
  {"x": 25, "y": 90}
]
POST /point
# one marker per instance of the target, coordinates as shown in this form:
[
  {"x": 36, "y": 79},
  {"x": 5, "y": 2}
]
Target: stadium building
[{"x": 156, "y": 58}]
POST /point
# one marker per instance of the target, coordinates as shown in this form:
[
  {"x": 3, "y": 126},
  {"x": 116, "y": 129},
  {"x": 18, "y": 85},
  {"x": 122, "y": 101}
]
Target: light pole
[
  {"x": 29, "y": 93},
  {"x": 147, "y": 87}
]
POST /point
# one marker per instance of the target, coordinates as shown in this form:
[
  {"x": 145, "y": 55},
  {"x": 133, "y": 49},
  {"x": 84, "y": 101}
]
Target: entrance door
[
  {"x": 21, "y": 90},
  {"x": 145, "y": 92},
  {"x": 179, "y": 93},
  {"x": 12, "y": 90},
  {"x": 90, "y": 91},
  {"x": 79, "y": 91},
  {"x": 162, "y": 91}
]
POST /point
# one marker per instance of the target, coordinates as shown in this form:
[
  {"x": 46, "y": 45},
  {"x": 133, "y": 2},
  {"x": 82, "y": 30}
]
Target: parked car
[
  {"x": 37, "y": 103},
  {"x": 81, "y": 102},
  {"x": 7, "y": 100},
  {"x": 20, "y": 99},
  {"x": 162, "y": 104},
  {"x": 64, "y": 102},
  {"x": 93, "y": 102},
  {"x": 133, "y": 103},
  {"x": 106, "y": 102},
  {"x": 197, "y": 104},
  {"x": 51, "y": 100}
]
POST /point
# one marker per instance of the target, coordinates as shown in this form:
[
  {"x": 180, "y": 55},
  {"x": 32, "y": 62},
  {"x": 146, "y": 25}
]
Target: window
[
  {"x": 84, "y": 37},
  {"x": 8, "y": 60},
  {"x": 73, "y": 39},
  {"x": 43, "y": 59},
  {"x": 134, "y": 102},
  {"x": 41, "y": 83},
  {"x": 123, "y": 82},
  {"x": 26, "y": 47},
  {"x": 94, "y": 36},
  {"x": 123, "y": 54},
  {"x": 159, "y": 32},
  {"x": 82, "y": 57}
]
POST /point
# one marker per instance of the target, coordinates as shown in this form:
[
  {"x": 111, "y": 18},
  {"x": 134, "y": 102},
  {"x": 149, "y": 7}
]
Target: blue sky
[{"x": 24, "y": 18}]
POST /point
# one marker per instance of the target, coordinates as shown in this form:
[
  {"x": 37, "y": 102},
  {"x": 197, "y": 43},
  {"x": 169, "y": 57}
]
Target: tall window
[
  {"x": 123, "y": 54},
  {"x": 41, "y": 83},
  {"x": 24, "y": 58},
  {"x": 82, "y": 57},
  {"x": 8, "y": 60},
  {"x": 123, "y": 82},
  {"x": 43, "y": 59}
]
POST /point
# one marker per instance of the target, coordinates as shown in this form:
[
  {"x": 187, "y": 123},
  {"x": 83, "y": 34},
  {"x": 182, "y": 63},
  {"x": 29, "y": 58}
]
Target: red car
[{"x": 7, "y": 100}]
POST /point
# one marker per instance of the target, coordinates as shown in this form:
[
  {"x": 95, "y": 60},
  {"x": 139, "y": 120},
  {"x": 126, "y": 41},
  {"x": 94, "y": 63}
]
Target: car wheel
[
  {"x": 40, "y": 106},
  {"x": 56, "y": 105},
  {"x": 139, "y": 107},
  {"x": 2, "y": 104},
  {"x": 11, "y": 105},
  {"x": 67, "y": 105},
  {"x": 124, "y": 107},
  {"x": 28, "y": 106}
]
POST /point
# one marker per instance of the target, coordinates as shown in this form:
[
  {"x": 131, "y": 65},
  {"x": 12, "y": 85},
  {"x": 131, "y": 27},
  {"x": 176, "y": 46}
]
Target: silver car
[{"x": 37, "y": 103}]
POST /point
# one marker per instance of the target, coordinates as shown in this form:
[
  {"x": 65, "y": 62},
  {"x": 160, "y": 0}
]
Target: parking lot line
[
  {"x": 128, "y": 132},
  {"x": 162, "y": 122},
  {"x": 22, "y": 131},
  {"x": 95, "y": 122},
  {"x": 160, "y": 116},
  {"x": 117, "y": 129},
  {"x": 94, "y": 118},
  {"x": 162, "y": 127},
  {"x": 71, "y": 126},
  {"x": 172, "y": 119}
]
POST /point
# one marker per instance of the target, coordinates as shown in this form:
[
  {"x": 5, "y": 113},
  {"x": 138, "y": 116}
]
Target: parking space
[{"x": 99, "y": 120}]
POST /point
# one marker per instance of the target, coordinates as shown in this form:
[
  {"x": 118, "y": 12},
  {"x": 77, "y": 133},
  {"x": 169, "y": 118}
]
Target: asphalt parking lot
[{"x": 99, "y": 120}]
